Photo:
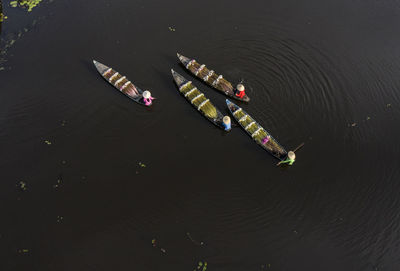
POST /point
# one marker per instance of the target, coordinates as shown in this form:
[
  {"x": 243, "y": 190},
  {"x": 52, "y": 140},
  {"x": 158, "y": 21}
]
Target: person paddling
[
  {"x": 226, "y": 122},
  {"x": 147, "y": 99},
  {"x": 240, "y": 91},
  {"x": 291, "y": 157}
]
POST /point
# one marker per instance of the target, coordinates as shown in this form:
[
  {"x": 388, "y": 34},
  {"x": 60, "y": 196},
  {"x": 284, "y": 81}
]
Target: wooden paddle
[
  {"x": 296, "y": 149},
  {"x": 299, "y": 147}
]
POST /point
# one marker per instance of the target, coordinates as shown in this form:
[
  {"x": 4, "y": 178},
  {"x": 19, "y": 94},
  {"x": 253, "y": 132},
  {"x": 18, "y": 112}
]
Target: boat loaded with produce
[
  {"x": 124, "y": 85},
  {"x": 258, "y": 133},
  {"x": 200, "y": 102},
  {"x": 214, "y": 80}
]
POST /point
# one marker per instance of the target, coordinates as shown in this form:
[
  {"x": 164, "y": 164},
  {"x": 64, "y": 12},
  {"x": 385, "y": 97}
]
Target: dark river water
[{"x": 93, "y": 181}]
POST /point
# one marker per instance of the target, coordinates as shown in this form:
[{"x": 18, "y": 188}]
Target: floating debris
[
  {"x": 59, "y": 219},
  {"x": 354, "y": 124},
  {"x": 265, "y": 266},
  {"x": 154, "y": 244},
  {"x": 23, "y": 250},
  {"x": 141, "y": 164},
  {"x": 194, "y": 241},
  {"x": 63, "y": 123},
  {"x": 10, "y": 39},
  {"x": 2, "y": 17},
  {"x": 388, "y": 105},
  {"x": 47, "y": 142},
  {"x": 22, "y": 185},
  {"x": 368, "y": 118},
  {"x": 63, "y": 162},
  {"x": 29, "y": 4},
  {"x": 202, "y": 266},
  {"x": 58, "y": 183},
  {"x": 171, "y": 29}
]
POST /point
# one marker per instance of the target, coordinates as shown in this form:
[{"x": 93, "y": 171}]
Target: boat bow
[
  {"x": 100, "y": 67},
  {"x": 179, "y": 79}
]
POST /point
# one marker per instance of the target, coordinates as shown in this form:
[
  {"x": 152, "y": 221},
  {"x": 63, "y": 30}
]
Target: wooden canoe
[
  {"x": 256, "y": 132},
  {"x": 120, "y": 82},
  {"x": 198, "y": 100},
  {"x": 211, "y": 78}
]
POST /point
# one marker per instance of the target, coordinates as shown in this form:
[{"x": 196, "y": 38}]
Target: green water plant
[
  {"x": 7, "y": 40},
  {"x": 22, "y": 185},
  {"x": 2, "y": 17},
  {"x": 196, "y": 98},
  {"x": 28, "y": 4},
  {"x": 201, "y": 266}
]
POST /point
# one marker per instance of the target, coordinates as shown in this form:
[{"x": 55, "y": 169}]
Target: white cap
[
  {"x": 240, "y": 87},
  {"x": 146, "y": 94},
  {"x": 291, "y": 155},
  {"x": 226, "y": 119}
]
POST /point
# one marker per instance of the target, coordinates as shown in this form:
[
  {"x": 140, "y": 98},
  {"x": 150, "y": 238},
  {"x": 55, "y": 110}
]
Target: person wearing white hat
[
  {"x": 240, "y": 91},
  {"x": 226, "y": 122},
  {"x": 291, "y": 157},
  {"x": 147, "y": 99}
]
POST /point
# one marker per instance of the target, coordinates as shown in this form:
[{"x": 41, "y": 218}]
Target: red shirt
[{"x": 240, "y": 94}]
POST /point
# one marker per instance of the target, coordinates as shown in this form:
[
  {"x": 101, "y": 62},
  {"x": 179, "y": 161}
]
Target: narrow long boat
[
  {"x": 198, "y": 100},
  {"x": 258, "y": 133},
  {"x": 210, "y": 77},
  {"x": 120, "y": 82}
]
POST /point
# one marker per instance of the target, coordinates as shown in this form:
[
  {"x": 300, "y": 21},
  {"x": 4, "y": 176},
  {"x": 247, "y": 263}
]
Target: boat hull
[
  {"x": 211, "y": 78},
  {"x": 256, "y": 131},
  {"x": 120, "y": 82},
  {"x": 198, "y": 100}
]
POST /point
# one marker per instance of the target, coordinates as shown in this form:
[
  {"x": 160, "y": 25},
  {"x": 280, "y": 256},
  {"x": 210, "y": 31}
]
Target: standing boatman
[
  {"x": 240, "y": 91},
  {"x": 290, "y": 159}
]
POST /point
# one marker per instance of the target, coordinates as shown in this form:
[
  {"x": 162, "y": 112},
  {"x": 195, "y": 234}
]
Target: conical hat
[
  {"x": 240, "y": 87},
  {"x": 146, "y": 94},
  {"x": 226, "y": 120},
  {"x": 291, "y": 155}
]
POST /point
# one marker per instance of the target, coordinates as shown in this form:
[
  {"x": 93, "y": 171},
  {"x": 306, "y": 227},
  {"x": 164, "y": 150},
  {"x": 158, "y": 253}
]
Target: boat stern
[
  {"x": 185, "y": 60},
  {"x": 246, "y": 99}
]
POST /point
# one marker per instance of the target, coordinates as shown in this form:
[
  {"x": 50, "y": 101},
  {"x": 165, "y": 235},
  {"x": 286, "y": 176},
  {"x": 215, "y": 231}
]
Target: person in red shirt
[{"x": 240, "y": 91}]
